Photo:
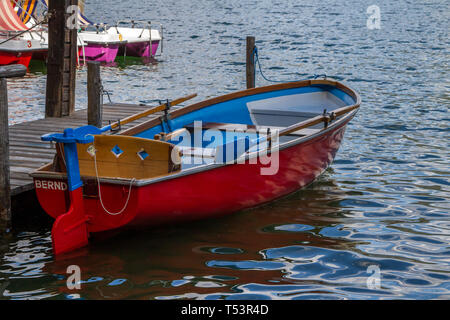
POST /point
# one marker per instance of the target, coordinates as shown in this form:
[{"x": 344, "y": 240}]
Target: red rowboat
[{"x": 205, "y": 160}]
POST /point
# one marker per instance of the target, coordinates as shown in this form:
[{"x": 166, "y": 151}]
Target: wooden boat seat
[
  {"x": 287, "y": 110},
  {"x": 124, "y": 157},
  {"x": 237, "y": 127},
  {"x": 198, "y": 152},
  {"x": 209, "y": 151}
]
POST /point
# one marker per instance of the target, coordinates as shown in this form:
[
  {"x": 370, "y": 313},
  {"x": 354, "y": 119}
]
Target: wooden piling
[
  {"x": 94, "y": 88},
  {"x": 250, "y": 74},
  {"x": 62, "y": 60},
  {"x": 5, "y": 196},
  {"x": 5, "y": 189},
  {"x": 70, "y": 60}
]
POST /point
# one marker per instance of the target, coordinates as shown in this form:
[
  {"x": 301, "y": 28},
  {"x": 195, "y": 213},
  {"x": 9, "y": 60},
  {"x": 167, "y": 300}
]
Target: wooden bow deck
[{"x": 28, "y": 152}]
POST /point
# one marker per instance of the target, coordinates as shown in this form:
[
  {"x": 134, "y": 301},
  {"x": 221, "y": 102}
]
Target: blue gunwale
[{"x": 235, "y": 110}]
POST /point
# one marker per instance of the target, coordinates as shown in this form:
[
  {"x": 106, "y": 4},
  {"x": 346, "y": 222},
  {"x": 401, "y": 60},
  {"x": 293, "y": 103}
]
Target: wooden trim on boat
[
  {"x": 244, "y": 93},
  {"x": 46, "y": 173},
  {"x": 127, "y": 163}
]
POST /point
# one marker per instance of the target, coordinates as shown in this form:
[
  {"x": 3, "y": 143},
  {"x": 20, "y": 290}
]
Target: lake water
[{"x": 375, "y": 226}]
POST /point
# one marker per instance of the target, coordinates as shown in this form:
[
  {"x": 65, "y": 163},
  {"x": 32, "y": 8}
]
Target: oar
[
  {"x": 317, "y": 120},
  {"x": 146, "y": 113},
  {"x": 245, "y": 144}
]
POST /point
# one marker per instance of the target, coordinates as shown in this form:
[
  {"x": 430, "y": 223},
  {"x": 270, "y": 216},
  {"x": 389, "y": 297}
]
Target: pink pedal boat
[
  {"x": 99, "y": 45},
  {"x": 105, "y": 45},
  {"x": 141, "y": 42}
]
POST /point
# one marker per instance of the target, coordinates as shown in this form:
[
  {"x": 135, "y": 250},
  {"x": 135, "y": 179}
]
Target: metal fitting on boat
[{"x": 329, "y": 117}]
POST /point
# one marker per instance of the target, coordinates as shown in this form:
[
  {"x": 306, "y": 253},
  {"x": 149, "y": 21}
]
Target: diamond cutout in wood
[
  {"x": 117, "y": 151},
  {"x": 142, "y": 154}
]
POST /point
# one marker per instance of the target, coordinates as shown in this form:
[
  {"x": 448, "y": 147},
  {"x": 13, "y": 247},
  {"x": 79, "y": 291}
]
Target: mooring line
[{"x": 256, "y": 59}]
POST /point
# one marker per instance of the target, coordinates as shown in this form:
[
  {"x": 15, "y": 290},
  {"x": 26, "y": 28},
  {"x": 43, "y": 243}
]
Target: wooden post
[
  {"x": 94, "y": 88},
  {"x": 5, "y": 197},
  {"x": 250, "y": 62},
  {"x": 62, "y": 59},
  {"x": 5, "y": 189}
]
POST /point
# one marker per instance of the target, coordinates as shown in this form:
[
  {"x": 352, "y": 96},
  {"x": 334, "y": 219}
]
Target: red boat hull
[
  {"x": 200, "y": 195},
  {"x": 7, "y": 58}
]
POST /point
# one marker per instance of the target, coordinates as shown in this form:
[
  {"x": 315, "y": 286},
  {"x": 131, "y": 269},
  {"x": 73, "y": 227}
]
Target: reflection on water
[
  {"x": 309, "y": 245},
  {"x": 383, "y": 204}
]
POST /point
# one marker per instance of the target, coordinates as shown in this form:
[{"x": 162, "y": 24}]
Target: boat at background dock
[
  {"x": 17, "y": 51},
  {"x": 205, "y": 160},
  {"x": 141, "y": 42},
  {"x": 17, "y": 46},
  {"x": 104, "y": 43},
  {"x": 99, "y": 45},
  {"x": 101, "y": 42}
]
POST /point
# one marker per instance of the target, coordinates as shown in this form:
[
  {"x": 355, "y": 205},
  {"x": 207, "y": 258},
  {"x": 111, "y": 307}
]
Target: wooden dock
[{"x": 28, "y": 152}]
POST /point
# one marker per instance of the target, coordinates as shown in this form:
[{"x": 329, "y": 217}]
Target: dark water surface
[{"x": 382, "y": 206}]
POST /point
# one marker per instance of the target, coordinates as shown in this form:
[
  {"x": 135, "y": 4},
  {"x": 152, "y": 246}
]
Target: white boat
[
  {"x": 98, "y": 42},
  {"x": 17, "y": 45},
  {"x": 140, "y": 42}
]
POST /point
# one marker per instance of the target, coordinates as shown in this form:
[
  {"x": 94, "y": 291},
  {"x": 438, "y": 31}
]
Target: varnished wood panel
[{"x": 127, "y": 164}]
